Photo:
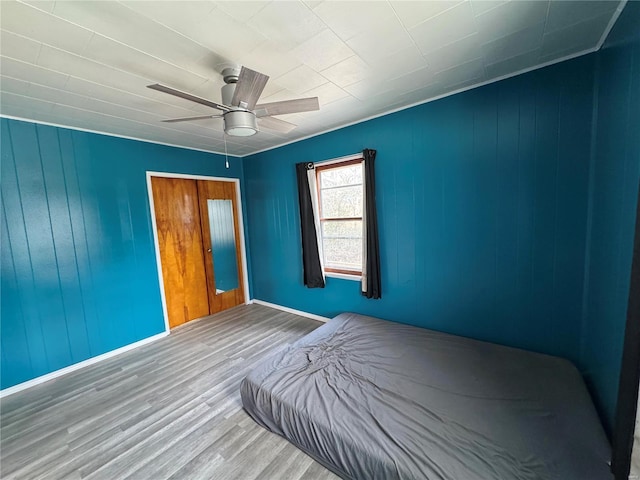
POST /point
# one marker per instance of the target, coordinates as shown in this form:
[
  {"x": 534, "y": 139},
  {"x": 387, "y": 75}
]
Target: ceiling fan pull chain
[{"x": 226, "y": 158}]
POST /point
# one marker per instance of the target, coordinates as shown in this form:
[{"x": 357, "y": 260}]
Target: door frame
[{"x": 156, "y": 243}]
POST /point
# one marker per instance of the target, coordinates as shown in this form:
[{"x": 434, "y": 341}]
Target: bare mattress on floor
[{"x": 372, "y": 399}]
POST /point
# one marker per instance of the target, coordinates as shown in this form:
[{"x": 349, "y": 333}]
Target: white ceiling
[{"x": 86, "y": 64}]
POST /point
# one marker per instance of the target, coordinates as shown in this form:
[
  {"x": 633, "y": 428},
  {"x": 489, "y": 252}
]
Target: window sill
[{"x": 344, "y": 276}]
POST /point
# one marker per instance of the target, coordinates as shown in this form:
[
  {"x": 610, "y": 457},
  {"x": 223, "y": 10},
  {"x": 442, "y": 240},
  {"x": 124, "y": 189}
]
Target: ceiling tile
[
  {"x": 190, "y": 14},
  {"x": 514, "y": 44},
  {"x": 270, "y": 59},
  {"x": 416, "y": 79},
  {"x": 578, "y": 37},
  {"x": 367, "y": 88},
  {"x": 512, "y": 64},
  {"x": 287, "y": 23},
  {"x": 122, "y": 57},
  {"x": 119, "y": 23},
  {"x": 455, "y": 53},
  {"x": 241, "y": 11},
  {"x": 312, "y": 3},
  {"x": 448, "y": 27},
  {"x": 327, "y": 93},
  {"x": 60, "y": 61},
  {"x": 65, "y": 62},
  {"x": 16, "y": 46},
  {"x": 406, "y": 83},
  {"x": 322, "y": 50},
  {"x": 19, "y": 110},
  {"x": 483, "y": 6},
  {"x": 225, "y": 36},
  {"x": 418, "y": 95},
  {"x": 44, "y": 5},
  {"x": 563, "y": 14},
  {"x": 348, "y": 19},
  {"x": 13, "y": 85},
  {"x": 116, "y": 96},
  {"x": 29, "y": 72},
  {"x": 25, "y": 103},
  {"x": 388, "y": 39},
  {"x": 472, "y": 71},
  {"x": 348, "y": 71},
  {"x": 411, "y": 13},
  {"x": 40, "y": 26},
  {"x": 88, "y": 103},
  {"x": 398, "y": 63},
  {"x": 301, "y": 79},
  {"x": 510, "y": 18}
]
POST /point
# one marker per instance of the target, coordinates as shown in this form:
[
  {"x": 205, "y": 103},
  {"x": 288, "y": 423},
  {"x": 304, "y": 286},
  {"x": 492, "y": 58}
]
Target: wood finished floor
[{"x": 167, "y": 410}]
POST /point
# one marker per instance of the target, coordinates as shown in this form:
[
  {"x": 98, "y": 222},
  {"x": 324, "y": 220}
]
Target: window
[{"x": 340, "y": 200}]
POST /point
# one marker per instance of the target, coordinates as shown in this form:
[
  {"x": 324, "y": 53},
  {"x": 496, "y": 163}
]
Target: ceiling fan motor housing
[{"x": 240, "y": 123}]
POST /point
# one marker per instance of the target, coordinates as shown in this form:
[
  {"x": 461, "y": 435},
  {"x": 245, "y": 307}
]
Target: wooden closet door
[
  {"x": 179, "y": 232},
  {"x": 213, "y": 190}
]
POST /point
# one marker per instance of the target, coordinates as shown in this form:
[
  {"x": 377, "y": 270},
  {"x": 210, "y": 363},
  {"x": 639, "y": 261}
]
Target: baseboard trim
[
  {"x": 291, "y": 310},
  {"x": 77, "y": 366}
]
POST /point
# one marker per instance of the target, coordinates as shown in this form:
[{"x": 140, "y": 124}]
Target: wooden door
[
  {"x": 179, "y": 232},
  {"x": 216, "y": 199}
]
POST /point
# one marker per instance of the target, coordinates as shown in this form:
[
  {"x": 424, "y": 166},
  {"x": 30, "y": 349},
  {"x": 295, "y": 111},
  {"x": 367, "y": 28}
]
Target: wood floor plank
[{"x": 168, "y": 410}]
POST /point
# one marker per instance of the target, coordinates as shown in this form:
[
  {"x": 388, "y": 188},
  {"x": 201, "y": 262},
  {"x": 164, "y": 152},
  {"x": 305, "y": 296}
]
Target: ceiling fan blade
[
  {"x": 187, "y": 119},
  {"x": 288, "y": 106},
  {"x": 188, "y": 96},
  {"x": 248, "y": 88},
  {"x": 276, "y": 124}
]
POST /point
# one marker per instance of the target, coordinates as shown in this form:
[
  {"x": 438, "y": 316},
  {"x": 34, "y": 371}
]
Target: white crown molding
[{"x": 87, "y": 130}]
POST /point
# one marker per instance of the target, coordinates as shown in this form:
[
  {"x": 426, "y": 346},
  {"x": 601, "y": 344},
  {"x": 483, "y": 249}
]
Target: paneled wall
[
  {"x": 79, "y": 274},
  {"x": 482, "y": 201},
  {"x": 614, "y": 184}
]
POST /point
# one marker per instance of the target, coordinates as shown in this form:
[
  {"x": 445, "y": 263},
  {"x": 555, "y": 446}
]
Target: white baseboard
[
  {"x": 291, "y": 310},
  {"x": 77, "y": 366}
]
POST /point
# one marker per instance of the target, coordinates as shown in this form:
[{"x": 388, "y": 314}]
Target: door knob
[{"x": 208, "y": 250}]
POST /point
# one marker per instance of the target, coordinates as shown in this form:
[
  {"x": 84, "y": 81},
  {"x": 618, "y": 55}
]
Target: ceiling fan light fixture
[{"x": 240, "y": 123}]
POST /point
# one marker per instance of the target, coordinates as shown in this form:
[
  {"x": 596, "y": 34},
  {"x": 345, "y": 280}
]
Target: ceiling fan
[{"x": 240, "y": 111}]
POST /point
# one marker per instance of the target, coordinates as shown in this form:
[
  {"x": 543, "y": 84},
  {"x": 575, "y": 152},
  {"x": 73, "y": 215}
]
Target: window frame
[{"x": 338, "y": 272}]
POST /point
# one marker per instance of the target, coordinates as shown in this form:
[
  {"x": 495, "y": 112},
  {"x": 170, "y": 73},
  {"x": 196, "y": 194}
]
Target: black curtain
[
  {"x": 312, "y": 270},
  {"x": 630, "y": 373},
  {"x": 373, "y": 284}
]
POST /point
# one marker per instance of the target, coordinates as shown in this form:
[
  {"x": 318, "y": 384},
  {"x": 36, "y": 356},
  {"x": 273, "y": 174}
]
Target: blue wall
[
  {"x": 614, "y": 192},
  {"x": 506, "y": 212},
  {"x": 482, "y": 201},
  {"x": 79, "y": 273}
]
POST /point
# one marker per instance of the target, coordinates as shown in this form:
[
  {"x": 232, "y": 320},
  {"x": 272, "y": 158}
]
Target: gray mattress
[{"x": 372, "y": 399}]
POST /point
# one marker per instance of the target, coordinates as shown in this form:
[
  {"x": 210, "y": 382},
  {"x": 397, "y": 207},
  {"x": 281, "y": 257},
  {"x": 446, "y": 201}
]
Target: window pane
[
  {"x": 342, "y": 244},
  {"x": 342, "y": 202},
  {"x": 340, "y": 176},
  {"x": 343, "y": 253},
  {"x": 342, "y": 229}
]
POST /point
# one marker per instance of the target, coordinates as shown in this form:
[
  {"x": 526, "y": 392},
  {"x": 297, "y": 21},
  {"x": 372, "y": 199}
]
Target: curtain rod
[{"x": 353, "y": 156}]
